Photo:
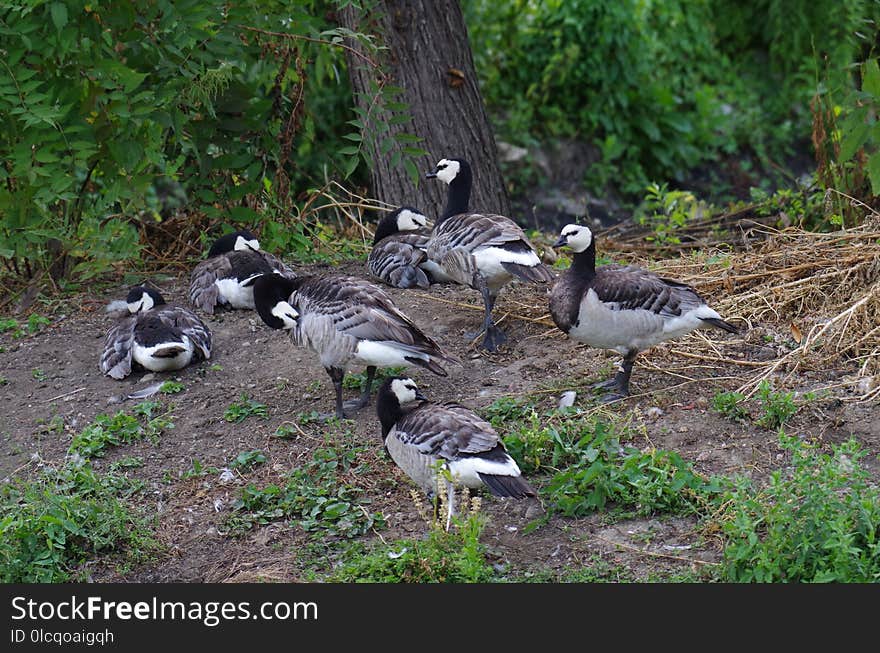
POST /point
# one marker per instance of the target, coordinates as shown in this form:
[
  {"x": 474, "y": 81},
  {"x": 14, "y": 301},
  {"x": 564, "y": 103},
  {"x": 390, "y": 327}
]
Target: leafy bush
[
  {"x": 819, "y": 521},
  {"x": 117, "y": 114},
  {"x": 52, "y": 524}
]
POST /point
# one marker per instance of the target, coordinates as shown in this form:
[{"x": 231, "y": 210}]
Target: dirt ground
[{"x": 669, "y": 408}]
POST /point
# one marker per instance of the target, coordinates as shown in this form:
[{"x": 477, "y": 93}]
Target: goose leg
[
  {"x": 494, "y": 337},
  {"x": 336, "y": 375},
  {"x": 356, "y": 404},
  {"x": 620, "y": 382}
]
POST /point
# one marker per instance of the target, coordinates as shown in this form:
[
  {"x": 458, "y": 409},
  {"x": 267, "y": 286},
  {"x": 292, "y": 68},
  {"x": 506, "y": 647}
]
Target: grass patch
[
  {"x": 121, "y": 428},
  {"x": 819, "y": 521},
  {"x": 314, "y": 497},
  {"x": 51, "y": 525},
  {"x": 454, "y": 556}
]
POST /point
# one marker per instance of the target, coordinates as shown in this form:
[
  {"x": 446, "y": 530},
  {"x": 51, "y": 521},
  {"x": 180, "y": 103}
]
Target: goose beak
[
  {"x": 431, "y": 175},
  {"x": 420, "y": 396},
  {"x": 561, "y": 241}
]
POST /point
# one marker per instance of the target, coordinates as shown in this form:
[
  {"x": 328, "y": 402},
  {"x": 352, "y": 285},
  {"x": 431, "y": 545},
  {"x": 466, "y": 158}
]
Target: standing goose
[
  {"x": 624, "y": 308},
  {"x": 226, "y": 276},
  {"x": 398, "y": 257},
  {"x": 420, "y": 437},
  {"x": 483, "y": 251},
  {"x": 346, "y": 320},
  {"x": 154, "y": 335}
]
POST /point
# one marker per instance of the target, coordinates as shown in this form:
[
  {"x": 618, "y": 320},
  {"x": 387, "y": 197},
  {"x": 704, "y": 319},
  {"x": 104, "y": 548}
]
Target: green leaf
[
  {"x": 871, "y": 78},
  {"x": 350, "y": 166},
  {"x": 874, "y": 172},
  {"x": 58, "y": 10},
  {"x": 853, "y": 140}
]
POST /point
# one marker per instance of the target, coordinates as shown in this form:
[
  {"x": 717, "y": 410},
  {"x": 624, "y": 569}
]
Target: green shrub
[{"x": 818, "y": 521}]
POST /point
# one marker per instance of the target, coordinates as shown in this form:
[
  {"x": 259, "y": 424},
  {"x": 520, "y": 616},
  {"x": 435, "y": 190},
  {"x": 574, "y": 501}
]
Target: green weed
[
  {"x": 118, "y": 429},
  {"x": 171, "y": 387},
  {"x": 314, "y": 497},
  {"x": 778, "y": 407},
  {"x": 355, "y": 381},
  {"x": 730, "y": 405},
  {"x": 244, "y": 408},
  {"x": 818, "y": 521},
  {"x": 52, "y": 524},
  {"x": 247, "y": 460},
  {"x": 453, "y": 556}
]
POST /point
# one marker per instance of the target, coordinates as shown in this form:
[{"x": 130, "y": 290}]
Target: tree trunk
[{"x": 429, "y": 56}]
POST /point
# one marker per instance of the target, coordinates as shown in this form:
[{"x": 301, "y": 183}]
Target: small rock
[
  {"x": 654, "y": 412},
  {"x": 146, "y": 378}
]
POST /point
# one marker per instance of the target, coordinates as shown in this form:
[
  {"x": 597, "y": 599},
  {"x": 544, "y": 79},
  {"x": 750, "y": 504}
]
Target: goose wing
[
  {"x": 471, "y": 231},
  {"x": 203, "y": 292},
  {"x": 189, "y": 324},
  {"x": 359, "y": 309},
  {"x": 396, "y": 258},
  {"x": 631, "y": 288},
  {"x": 116, "y": 357},
  {"x": 446, "y": 431},
  {"x": 277, "y": 265}
]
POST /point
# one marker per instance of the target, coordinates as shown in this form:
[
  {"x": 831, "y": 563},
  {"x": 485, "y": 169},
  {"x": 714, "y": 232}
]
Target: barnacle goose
[
  {"x": 398, "y": 256},
  {"x": 226, "y": 276},
  {"x": 421, "y": 436},
  {"x": 482, "y": 250},
  {"x": 624, "y": 308},
  {"x": 346, "y": 320},
  {"x": 154, "y": 335}
]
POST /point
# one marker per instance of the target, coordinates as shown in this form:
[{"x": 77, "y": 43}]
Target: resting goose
[
  {"x": 624, "y": 308},
  {"x": 346, "y": 320},
  {"x": 154, "y": 335},
  {"x": 482, "y": 250},
  {"x": 398, "y": 256},
  {"x": 226, "y": 276},
  {"x": 421, "y": 436}
]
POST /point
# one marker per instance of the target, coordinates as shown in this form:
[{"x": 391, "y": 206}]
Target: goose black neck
[
  {"x": 386, "y": 227},
  {"x": 389, "y": 411},
  {"x": 583, "y": 263},
  {"x": 458, "y": 196}
]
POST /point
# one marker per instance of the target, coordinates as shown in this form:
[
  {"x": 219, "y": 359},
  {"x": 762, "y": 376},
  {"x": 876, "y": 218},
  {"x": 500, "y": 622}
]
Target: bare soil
[{"x": 669, "y": 409}]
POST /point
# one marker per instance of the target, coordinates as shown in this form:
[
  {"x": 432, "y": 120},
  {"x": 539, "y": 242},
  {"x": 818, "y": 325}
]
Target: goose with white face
[
  {"x": 576, "y": 237},
  {"x": 446, "y": 170},
  {"x": 242, "y": 242},
  {"x": 141, "y": 300},
  {"x": 406, "y": 391},
  {"x": 411, "y": 221}
]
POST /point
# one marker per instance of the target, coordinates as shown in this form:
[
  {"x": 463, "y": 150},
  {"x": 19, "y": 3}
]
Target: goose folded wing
[
  {"x": 203, "y": 292},
  {"x": 278, "y": 265},
  {"x": 116, "y": 357},
  {"x": 190, "y": 324},
  {"x": 476, "y": 230},
  {"x": 447, "y": 431},
  {"x": 631, "y": 288}
]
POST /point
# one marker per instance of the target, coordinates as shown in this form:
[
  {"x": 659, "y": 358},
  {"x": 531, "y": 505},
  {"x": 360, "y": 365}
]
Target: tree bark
[{"x": 429, "y": 56}]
